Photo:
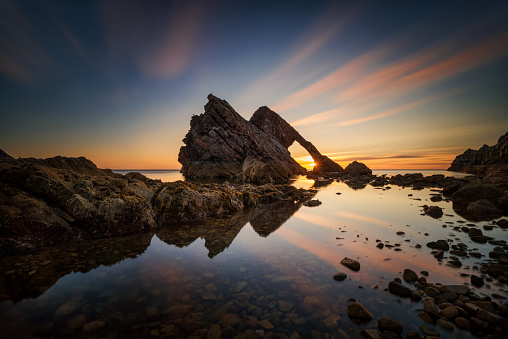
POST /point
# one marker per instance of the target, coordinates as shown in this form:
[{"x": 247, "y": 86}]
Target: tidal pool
[{"x": 261, "y": 273}]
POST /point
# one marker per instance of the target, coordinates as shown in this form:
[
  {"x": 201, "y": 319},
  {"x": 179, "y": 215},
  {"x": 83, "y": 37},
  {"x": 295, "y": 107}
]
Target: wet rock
[
  {"x": 425, "y": 317},
  {"x": 409, "y": 275},
  {"x": 415, "y": 296},
  {"x": 339, "y": 276},
  {"x": 266, "y": 324},
  {"x": 351, "y": 263},
  {"x": 439, "y": 245},
  {"x": 398, "y": 289},
  {"x": 431, "y": 308},
  {"x": 431, "y": 291},
  {"x": 387, "y": 324},
  {"x": 433, "y": 211},
  {"x": 152, "y": 312},
  {"x": 484, "y": 210},
  {"x": 449, "y": 312},
  {"x": 492, "y": 318},
  {"x": 459, "y": 289},
  {"x": 445, "y": 324},
  {"x": 474, "y": 192},
  {"x": 502, "y": 223},
  {"x": 427, "y": 330},
  {"x": 439, "y": 254},
  {"x": 481, "y": 324},
  {"x": 463, "y": 323},
  {"x": 230, "y": 319},
  {"x": 380, "y": 245},
  {"x": 356, "y": 311},
  {"x": 67, "y": 308},
  {"x": 312, "y": 203}
]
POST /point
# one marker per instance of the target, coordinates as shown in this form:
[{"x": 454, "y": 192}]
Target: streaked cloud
[
  {"x": 161, "y": 51},
  {"x": 22, "y": 57},
  {"x": 317, "y": 36}
]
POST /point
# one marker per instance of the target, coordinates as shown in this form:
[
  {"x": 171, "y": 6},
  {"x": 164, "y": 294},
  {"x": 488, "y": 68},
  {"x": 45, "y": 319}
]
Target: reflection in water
[
  {"x": 28, "y": 276},
  {"x": 274, "y": 277}
]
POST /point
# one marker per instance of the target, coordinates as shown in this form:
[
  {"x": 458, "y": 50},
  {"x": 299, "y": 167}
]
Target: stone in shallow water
[
  {"x": 76, "y": 322},
  {"x": 427, "y": 330},
  {"x": 409, "y": 275},
  {"x": 387, "y": 324},
  {"x": 340, "y": 276},
  {"x": 399, "y": 289},
  {"x": 351, "y": 263},
  {"x": 445, "y": 324},
  {"x": 459, "y": 289},
  {"x": 358, "y": 312},
  {"x": 430, "y": 308}
]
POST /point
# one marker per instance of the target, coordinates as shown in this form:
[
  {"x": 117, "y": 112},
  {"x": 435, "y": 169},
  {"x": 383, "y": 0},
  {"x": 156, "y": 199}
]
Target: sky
[{"x": 393, "y": 84}]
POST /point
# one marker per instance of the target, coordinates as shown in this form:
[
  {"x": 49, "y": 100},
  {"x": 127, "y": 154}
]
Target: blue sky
[{"x": 394, "y": 84}]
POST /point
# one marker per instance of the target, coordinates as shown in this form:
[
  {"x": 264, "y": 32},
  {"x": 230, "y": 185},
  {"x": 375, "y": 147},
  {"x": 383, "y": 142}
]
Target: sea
[{"x": 263, "y": 273}]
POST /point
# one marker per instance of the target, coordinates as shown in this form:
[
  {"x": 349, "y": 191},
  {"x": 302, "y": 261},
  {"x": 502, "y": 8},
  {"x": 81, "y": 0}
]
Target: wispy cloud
[
  {"x": 160, "y": 51},
  {"x": 22, "y": 57},
  {"x": 318, "y": 35}
]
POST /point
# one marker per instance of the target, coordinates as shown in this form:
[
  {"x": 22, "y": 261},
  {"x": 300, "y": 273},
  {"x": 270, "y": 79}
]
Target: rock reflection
[
  {"x": 220, "y": 233},
  {"x": 30, "y": 275}
]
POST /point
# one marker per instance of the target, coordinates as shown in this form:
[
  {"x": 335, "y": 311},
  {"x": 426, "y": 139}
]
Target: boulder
[
  {"x": 484, "y": 210},
  {"x": 433, "y": 211},
  {"x": 357, "y": 168},
  {"x": 473, "y": 192},
  {"x": 351, "y": 263},
  {"x": 357, "y": 311}
]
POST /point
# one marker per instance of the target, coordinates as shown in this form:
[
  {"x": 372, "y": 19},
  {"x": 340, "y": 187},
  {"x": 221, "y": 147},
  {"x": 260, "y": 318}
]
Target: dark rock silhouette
[
  {"x": 357, "y": 168},
  {"x": 273, "y": 124},
  {"x": 221, "y": 143},
  {"x": 488, "y": 160}
]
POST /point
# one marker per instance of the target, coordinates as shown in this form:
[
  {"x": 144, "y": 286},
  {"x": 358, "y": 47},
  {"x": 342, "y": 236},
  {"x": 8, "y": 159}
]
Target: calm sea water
[{"x": 259, "y": 272}]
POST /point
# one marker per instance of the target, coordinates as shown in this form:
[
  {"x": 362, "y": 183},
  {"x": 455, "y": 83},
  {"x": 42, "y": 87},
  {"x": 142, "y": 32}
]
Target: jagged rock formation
[
  {"x": 50, "y": 201},
  {"x": 488, "y": 160},
  {"x": 272, "y": 123},
  {"x": 221, "y": 143}
]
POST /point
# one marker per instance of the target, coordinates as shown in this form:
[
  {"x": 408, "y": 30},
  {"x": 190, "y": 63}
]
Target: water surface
[{"x": 267, "y": 270}]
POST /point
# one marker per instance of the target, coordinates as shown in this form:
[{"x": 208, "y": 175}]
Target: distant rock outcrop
[
  {"x": 488, "y": 160},
  {"x": 221, "y": 143},
  {"x": 357, "y": 168}
]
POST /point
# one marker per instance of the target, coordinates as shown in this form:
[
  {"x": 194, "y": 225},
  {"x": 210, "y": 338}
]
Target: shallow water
[{"x": 260, "y": 271}]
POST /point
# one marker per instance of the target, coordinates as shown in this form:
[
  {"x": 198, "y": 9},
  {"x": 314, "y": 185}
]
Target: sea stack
[{"x": 222, "y": 144}]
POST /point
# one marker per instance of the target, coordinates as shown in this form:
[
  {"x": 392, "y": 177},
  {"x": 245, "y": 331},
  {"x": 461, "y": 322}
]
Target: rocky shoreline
[{"x": 45, "y": 202}]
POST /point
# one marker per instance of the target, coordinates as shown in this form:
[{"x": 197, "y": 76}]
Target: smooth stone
[
  {"x": 425, "y": 317},
  {"x": 387, "y": 324},
  {"x": 459, "y": 289},
  {"x": 463, "y": 323},
  {"x": 339, "y": 276},
  {"x": 331, "y": 321},
  {"x": 413, "y": 335},
  {"x": 351, "y": 263},
  {"x": 445, "y": 324},
  {"x": 358, "y": 311},
  {"x": 476, "y": 281},
  {"x": 427, "y": 330},
  {"x": 409, "y": 275},
  {"x": 398, "y": 289},
  {"x": 66, "y": 308},
  {"x": 450, "y": 312},
  {"x": 230, "y": 319},
  {"x": 285, "y": 306},
  {"x": 431, "y": 309},
  {"x": 266, "y": 324}
]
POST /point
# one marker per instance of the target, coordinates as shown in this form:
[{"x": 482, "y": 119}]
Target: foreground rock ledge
[{"x": 50, "y": 201}]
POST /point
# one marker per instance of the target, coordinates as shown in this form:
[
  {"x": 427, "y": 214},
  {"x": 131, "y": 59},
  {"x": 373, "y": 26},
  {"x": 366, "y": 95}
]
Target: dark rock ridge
[
  {"x": 221, "y": 143},
  {"x": 488, "y": 160},
  {"x": 273, "y": 124},
  {"x": 50, "y": 201}
]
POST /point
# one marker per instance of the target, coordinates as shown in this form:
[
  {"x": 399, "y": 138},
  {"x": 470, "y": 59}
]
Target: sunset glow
[{"x": 393, "y": 85}]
